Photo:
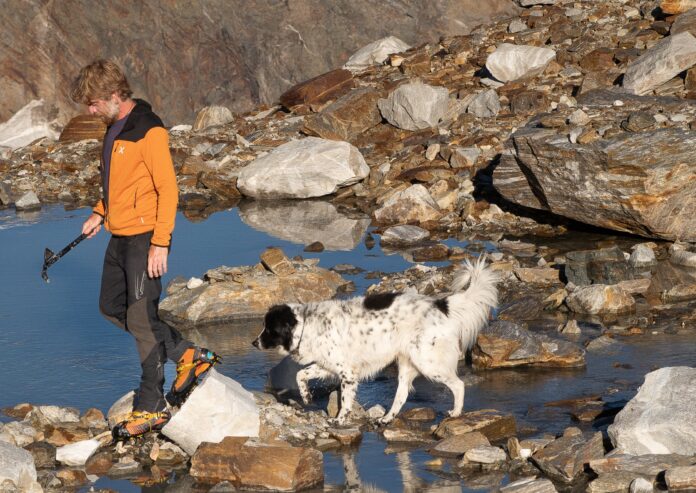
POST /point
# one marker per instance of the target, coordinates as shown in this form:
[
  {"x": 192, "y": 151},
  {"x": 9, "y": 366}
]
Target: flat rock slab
[
  {"x": 529, "y": 485},
  {"x": 247, "y": 464},
  {"x": 415, "y": 106},
  {"x": 485, "y": 454},
  {"x": 217, "y": 408},
  {"x": 647, "y": 465},
  {"x": 565, "y": 458},
  {"x": 504, "y": 344},
  {"x": 511, "y": 62},
  {"x": 300, "y": 169},
  {"x": 457, "y": 445},
  {"x": 614, "y": 481},
  {"x": 211, "y": 116},
  {"x": 618, "y": 182},
  {"x": 661, "y": 418},
  {"x": 305, "y": 222},
  {"x": 375, "y": 53},
  {"x": 404, "y": 235},
  {"x": 83, "y": 127},
  {"x": 667, "y": 58},
  {"x": 243, "y": 293},
  {"x": 493, "y": 424}
]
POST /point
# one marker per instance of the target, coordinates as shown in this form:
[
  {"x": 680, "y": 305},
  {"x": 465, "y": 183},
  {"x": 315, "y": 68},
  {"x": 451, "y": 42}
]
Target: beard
[{"x": 110, "y": 113}]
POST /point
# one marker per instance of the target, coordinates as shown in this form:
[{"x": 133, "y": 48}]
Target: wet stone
[
  {"x": 613, "y": 481},
  {"x": 423, "y": 414},
  {"x": 405, "y": 234},
  {"x": 44, "y": 454},
  {"x": 346, "y": 436},
  {"x": 72, "y": 477},
  {"x": 28, "y": 202},
  {"x": 124, "y": 469},
  {"x": 485, "y": 454},
  {"x": 564, "y": 458},
  {"x": 99, "y": 463},
  {"x": 457, "y": 445},
  {"x": 529, "y": 485},
  {"x": 316, "y": 246},
  {"x": 5, "y": 194},
  {"x": 432, "y": 253},
  {"x": 493, "y": 424}
]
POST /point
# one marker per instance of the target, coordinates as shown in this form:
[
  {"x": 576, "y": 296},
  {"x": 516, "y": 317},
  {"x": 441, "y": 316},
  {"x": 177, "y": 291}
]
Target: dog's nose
[{"x": 255, "y": 343}]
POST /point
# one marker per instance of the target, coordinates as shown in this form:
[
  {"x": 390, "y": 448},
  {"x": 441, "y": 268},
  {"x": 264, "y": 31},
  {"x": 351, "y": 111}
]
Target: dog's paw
[
  {"x": 306, "y": 398},
  {"x": 384, "y": 420},
  {"x": 453, "y": 414}
]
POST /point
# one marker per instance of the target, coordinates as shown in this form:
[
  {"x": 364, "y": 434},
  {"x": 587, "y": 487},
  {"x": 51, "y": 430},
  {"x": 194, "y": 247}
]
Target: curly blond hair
[{"x": 99, "y": 80}]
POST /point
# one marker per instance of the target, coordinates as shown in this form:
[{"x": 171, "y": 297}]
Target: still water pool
[{"x": 56, "y": 349}]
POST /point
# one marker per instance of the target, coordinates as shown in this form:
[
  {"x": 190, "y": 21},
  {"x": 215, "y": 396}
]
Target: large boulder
[
  {"x": 512, "y": 62},
  {"x": 247, "y": 292},
  {"x": 217, "y": 408},
  {"x": 211, "y": 116},
  {"x": 305, "y": 222},
  {"x": 565, "y": 458},
  {"x": 375, "y": 53},
  {"x": 17, "y": 465},
  {"x": 677, "y": 6},
  {"x": 35, "y": 121},
  {"x": 413, "y": 205},
  {"x": 248, "y": 464},
  {"x": 661, "y": 418},
  {"x": 618, "y": 182},
  {"x": 660, "y": 63},
  {"x": 304, "y": 168},
  {"x": 415, "y": 106},
  {"x": 506, "y": 344}
]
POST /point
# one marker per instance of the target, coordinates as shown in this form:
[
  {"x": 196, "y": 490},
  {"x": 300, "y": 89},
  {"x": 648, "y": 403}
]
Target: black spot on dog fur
[
  {"x": 379, "y": 301},
  {"x": 278, "y": 326},
  {"x": 442, "y": 305}
]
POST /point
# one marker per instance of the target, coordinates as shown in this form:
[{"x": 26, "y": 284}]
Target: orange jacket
[{"x": 143, "y": 193}]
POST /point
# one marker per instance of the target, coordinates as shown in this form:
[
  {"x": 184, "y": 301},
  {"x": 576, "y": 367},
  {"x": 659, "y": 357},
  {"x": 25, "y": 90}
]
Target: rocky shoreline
[{"x": 573, "y": 112}]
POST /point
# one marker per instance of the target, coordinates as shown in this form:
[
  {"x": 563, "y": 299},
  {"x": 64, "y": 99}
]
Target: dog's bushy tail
[{"x": 475, "y": 294}]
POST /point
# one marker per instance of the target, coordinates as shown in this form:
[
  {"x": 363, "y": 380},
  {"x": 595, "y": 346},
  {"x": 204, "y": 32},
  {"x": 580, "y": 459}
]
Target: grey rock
[
  {"x": 414, "y": 204},
  {"x": 529, "y": 485},
  {"x": 217, "y": 408},
  {"x": 564, "y": 458},
  {"x": 17, "y": 465},
  {"x": 464, "y": 157},
  {"x": 517, "y": 26},
  {"x": 642, "y": 256},
  {"x": 34, "y": 121},
  {"x": 485, "y": 104},
  {"x": 648, "y": 466},
  {"x": 603, "y": 266},
  {"x": 638, "y": 202},
  {"x": 53, "y": 415},
  {"x": 613, "y": 481},
  {"x": 641, "y": 485},
  {"x": 27, "y": 202},
  {"x": 660, "y": 419},
  {"x": 600, "y": 299},
  {"x": 485, "y": 454},
  {"x": 76, "y": 454},
  {"x": 404, "y": 235},
  {"x": 458, "y": 445},
  {"x": 681, "y": 256},
  {"x": 685, "y": 22},
  {"x": 304, "y": 222},
  {"x": 512, "y": 62},
  {"x": 660, "y": 63},
  {"x": 530, "y": 3},
  {"x": 5, "y": 194},
  {"x": 305, "y": 168},
  {"x": 211, "y": 116},
  {"x": 375, "y": 53},
  {"x": 415, "y": 106}
]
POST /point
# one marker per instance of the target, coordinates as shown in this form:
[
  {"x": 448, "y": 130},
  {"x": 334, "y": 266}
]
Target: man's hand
[
  {"x": 93, "y": 224},
  {"x": 157, "y": 261}
]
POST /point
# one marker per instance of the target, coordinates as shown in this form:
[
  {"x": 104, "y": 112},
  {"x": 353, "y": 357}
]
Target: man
[{"x": 138, "y": 207}]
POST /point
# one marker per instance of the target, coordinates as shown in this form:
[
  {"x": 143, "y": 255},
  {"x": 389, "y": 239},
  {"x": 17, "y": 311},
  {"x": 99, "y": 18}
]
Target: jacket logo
[{"x": 121, "y": 149}]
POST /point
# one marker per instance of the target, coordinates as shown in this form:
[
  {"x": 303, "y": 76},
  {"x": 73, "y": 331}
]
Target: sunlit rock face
[
  {"x": 234, "y": 53},
  {"x": 305, "y": 222}
]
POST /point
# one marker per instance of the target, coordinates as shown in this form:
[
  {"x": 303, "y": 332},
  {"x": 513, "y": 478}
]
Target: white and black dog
[{"x": 354, "y": 339}]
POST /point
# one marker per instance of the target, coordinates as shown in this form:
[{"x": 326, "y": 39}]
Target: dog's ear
[{"x": 279, "y": 324}]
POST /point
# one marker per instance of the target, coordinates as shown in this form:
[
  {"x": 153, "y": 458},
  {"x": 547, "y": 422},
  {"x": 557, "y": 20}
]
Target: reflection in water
[{"x": 305, "y": 222}]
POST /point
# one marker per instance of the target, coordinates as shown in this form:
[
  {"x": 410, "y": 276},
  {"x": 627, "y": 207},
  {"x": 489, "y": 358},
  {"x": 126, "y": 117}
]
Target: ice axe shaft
[{"x": 51, "y": 258}]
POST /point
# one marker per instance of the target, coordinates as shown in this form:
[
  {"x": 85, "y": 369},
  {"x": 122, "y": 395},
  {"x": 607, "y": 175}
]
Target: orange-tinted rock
[
  {"x": 83, "y": 127},
  {"x": 319, "y": 89},
  {"x": 346, "y": 118},
  {"x": 493, "y": 424}
]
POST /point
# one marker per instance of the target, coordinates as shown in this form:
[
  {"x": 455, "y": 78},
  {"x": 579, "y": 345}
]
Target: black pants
[{"x": 129, "y": 299}]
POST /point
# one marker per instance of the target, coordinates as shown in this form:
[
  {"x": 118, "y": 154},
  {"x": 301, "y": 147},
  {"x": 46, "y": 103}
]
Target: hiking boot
[
  {"x": 139, "y": 423},
  {"x": 190, "y": 368}
]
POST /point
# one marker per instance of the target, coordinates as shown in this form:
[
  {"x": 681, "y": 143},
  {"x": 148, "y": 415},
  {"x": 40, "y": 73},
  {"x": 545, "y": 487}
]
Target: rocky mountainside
[{"x": 183, "y": 56}]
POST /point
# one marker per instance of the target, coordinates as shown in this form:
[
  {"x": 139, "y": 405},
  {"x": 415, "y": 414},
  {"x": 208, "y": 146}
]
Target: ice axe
[{"x": 51, "y": 258}]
